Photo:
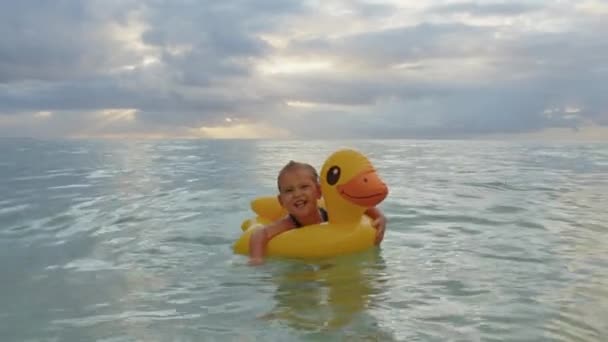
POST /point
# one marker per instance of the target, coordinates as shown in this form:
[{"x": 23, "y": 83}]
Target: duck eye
[{"x": 333, "y": 175}]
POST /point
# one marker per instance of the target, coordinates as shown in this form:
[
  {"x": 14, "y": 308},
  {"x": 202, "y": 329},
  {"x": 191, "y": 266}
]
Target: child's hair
[{"x": 297, "y": 165}]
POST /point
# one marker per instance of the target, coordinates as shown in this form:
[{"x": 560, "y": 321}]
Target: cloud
[
  {"x": 335, "y": 68},
  {"x": 64, "y": 39},
  {"x": 487, "y": 9}
]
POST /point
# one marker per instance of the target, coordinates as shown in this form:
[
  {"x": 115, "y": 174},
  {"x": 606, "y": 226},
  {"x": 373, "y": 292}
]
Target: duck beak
[{"x": 365, "y": 189}]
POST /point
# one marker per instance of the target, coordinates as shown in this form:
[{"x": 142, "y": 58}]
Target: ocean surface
[{"x": 131, "y": 241}]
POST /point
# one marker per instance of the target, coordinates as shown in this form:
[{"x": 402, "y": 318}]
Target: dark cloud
[
  {"x": 525, "y": 74},
  {"x": 386, "y": 48},
  {"x": 155, "y": 104},
  {"x": 372, "y": 9},
  {"x": 60, "y": 57},
  {"x": 219, "y": 38},
  {"x": 59, "y": 40},
  {"x": 410, "y": 110}
]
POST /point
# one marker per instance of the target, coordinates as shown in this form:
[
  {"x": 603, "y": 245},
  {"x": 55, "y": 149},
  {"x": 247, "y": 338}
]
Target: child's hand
[
  {"x": 255, "y": 261},
  {"x": 380, "y": 225}
]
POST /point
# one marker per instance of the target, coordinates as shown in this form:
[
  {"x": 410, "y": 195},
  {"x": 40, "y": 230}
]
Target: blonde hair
[{"x": 297, "y": 165}]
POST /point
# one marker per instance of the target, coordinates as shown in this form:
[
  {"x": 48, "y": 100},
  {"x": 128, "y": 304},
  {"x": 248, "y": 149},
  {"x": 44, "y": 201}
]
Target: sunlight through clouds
[
  {"x": 242, "y": 131},
  {"x": 111, "y": 115},
  {"x": 293, "y": 66},
  {"x": 43, "y": 114}
]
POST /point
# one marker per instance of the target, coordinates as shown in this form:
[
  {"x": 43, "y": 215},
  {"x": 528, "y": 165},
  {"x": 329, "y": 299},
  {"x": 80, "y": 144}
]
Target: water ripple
[{"x": 132, "y": 240}]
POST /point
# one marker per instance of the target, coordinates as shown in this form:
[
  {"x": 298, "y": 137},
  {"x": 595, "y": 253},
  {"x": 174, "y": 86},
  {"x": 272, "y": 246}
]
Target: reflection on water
[
  {"x": 582, "y": 301},
  {"x": 331, "y": 297}
]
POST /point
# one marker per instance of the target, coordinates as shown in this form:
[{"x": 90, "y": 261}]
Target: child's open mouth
[{"x": 299, "y": 203}]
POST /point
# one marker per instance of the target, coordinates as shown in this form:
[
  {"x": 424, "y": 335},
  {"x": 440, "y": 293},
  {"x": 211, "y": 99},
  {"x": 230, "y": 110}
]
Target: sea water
[{"x": 131, "y": 241}]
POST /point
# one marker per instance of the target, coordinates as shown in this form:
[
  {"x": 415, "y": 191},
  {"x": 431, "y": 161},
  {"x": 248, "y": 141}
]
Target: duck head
[{"x": 350, "y": 185}]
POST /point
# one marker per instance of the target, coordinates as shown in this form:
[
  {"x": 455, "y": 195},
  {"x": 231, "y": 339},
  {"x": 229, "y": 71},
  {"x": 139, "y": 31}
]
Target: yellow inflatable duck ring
[{"x": 350, "y": 185}]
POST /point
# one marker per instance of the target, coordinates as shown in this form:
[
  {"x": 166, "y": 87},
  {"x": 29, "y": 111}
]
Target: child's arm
[
  {"x": 378, "y": 221},
  {"x": 260, "y": 237}
]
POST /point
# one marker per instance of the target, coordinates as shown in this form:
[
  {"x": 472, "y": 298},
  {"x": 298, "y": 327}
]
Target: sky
[{"x": 285, "y": 69}]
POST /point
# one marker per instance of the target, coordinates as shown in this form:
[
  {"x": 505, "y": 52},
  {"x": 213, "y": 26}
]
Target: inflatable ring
[{"x": 350, "y": 185}]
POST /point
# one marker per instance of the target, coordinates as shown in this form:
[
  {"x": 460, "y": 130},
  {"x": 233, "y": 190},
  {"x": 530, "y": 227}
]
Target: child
[{"x": 299, "y": 190}]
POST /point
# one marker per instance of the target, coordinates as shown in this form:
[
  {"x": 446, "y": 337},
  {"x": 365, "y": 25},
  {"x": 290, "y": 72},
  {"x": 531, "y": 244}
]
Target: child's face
[{"x": 299, "y": 192}]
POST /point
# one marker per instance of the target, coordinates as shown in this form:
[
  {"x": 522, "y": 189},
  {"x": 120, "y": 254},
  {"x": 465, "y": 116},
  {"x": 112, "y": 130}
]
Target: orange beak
[{"x": 365, "y": 190}]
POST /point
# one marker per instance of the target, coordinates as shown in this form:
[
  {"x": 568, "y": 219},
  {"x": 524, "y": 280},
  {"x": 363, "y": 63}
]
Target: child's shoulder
[
  {"x": 279, "y": 226},
  {"x": 285, "y": 222}
]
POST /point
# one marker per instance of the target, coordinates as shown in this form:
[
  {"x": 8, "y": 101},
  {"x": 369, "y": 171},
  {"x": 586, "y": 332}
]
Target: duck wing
[{"x": 268, "y": 207}]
